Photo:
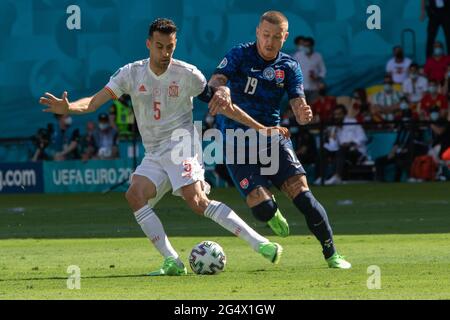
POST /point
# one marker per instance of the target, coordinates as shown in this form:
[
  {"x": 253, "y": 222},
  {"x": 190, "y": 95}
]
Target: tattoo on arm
[{"x": 296, "y": 104}]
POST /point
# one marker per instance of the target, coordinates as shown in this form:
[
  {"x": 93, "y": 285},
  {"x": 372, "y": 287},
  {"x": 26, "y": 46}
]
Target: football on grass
[{"x": 207, "y": 257}]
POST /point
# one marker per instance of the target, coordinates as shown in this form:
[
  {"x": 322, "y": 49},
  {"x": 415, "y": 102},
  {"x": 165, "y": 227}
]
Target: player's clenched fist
[
  {"x": 220, "y": 101},
  {"x": 55, "y": 105}
]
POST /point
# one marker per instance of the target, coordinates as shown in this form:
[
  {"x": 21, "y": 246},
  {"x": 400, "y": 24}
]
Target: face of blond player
[
  {"x": 162, "y": 47},
  {"x": 270, "y": 39}
]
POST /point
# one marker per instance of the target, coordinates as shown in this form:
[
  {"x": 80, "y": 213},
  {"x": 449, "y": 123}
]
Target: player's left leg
[
  {"x": 255, "y": 189},
  {"x": 296, "y": 187},
  {"x": 194, "y": 195}
]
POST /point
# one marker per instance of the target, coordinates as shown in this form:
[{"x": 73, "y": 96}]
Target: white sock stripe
[
  {"x": 212, "y": 208},
  {"x": 143, "y": 218},
  {"x": 138, "y": 216},
  {"x": 144, "y": 208},
  {"x": 144, "y": 214}
]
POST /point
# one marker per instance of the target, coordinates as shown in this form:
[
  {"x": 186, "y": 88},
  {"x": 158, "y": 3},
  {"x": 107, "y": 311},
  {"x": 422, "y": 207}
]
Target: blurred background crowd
[{"x": 395, "y": 130}]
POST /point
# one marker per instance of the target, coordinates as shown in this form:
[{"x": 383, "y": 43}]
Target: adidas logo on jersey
[{"x": 142, "y": 88}]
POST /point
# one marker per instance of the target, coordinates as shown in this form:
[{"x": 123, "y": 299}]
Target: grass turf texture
[{"x": 403, "y": 229}]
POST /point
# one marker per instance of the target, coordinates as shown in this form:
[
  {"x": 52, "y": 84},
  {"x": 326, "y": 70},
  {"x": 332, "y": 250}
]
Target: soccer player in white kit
[{"x": 162, "y": 90}]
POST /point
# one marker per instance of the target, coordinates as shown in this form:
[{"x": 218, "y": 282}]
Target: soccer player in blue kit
[{"x": 258, "y": 75}]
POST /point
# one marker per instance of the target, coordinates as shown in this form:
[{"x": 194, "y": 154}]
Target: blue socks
[{"x": 317, "y": 221}]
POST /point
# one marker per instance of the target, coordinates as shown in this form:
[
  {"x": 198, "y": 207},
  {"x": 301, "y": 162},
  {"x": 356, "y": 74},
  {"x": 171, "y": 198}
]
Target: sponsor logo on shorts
[{"x": 244, "y": 183}]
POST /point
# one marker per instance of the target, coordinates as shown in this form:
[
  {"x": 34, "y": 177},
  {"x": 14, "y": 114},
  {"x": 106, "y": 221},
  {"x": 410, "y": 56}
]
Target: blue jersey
[{"x": 258, "y": 86}]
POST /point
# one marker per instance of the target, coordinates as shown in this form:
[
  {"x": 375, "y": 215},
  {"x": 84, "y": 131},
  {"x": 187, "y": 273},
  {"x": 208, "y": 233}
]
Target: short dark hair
[
  {"x": 162, "y": 25},
  {"x": 298, "y": 39},
  {"x": 414, "y": 65}
]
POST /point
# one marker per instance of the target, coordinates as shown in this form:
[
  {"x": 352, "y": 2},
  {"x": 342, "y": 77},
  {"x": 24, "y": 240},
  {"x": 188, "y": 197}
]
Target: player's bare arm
[
  {"x": 221, "y": 103},
  {"x": 237, "y": 114},
  {"x": 302, "y": 111},
  {"x": 84, "y": 105}
]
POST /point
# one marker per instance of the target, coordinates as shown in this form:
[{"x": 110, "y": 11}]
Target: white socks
[
  {"x": 227, "y": 218},
  {"x": 153, "y": 228}
]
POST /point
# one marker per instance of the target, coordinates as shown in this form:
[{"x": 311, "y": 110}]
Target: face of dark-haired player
[
  {"x": 270, "y": 39},
  {"x": 162, "y": 47}
]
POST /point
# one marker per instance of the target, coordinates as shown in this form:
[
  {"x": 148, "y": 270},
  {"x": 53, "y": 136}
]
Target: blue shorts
[{"x": 247, "y": 177}]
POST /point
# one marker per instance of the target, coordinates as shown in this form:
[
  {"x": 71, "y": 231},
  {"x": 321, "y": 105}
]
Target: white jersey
[
  {"x": 161, "y": 103},
  {"x": 398, "y": 70}
]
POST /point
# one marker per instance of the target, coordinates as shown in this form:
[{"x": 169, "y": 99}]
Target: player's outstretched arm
[
  {"x": 84, "y": 105},
  {"x": 237, "y": 114},
  {"x": 221, "y": 103},
  {"x": 302, "y": 111}
]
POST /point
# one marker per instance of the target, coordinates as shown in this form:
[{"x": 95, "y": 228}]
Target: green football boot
[
  {"x": 279, "y": 225},
  {"x": 271, "y": 251},
  {"x": 336, "y": 261},
  {"x": 170, "y": 268}
]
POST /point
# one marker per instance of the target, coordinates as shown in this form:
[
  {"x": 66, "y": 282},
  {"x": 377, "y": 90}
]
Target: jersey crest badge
[
  {"x": 173, "y": 90},
  {"x": 223, "y": 63},
  {"x": 279, "y": 76},
  {"x": 269, "y": 73}
]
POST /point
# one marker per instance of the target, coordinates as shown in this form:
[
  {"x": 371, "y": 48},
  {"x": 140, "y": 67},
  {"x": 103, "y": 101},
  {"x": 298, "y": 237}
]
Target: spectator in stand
[
  {"x": 288, "y": 120},
  {"x": 63, "y": 141},
  {"x": 436, "y": 66},
  {"x": 87, "y": 142},
  {"x": 41, "y": 141},
  {"x": 313, "y": 68},
  {"x": 106, "y": 139},
  {"x": 415, "y": 86},
  {"x": 386, "y": 103},
  {"x": 446, "y": 87},
  {"x": 438, "y": 12},
  {"x": 112, "y": 116},
  {"x": 433, "y": 100},
  {"x": 360, "y": 106},
  {"x": 348, "y": 140},
  {"x": 298, "y": 41},
  {"x": 441, "y": 139},
  {"x": 323, "y": 107},
  {"x": 398, "y": 65},
  {"x": 306, "y": 148},
  {"x": 403, "y": 151}
]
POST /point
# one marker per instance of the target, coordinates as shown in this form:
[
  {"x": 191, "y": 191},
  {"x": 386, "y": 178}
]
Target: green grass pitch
[{"x": 403, "y": 229}]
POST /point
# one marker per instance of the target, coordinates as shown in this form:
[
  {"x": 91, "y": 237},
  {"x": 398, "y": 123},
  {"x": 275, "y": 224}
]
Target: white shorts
[{"x": 166, "y": 175}]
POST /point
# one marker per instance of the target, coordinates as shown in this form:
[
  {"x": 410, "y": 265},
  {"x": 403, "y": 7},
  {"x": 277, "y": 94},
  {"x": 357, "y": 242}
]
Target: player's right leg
[
  {"x": 141, "y": 190},
  {"x": 260, "y": 200},
  {"x": 223, "y": 215}
]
